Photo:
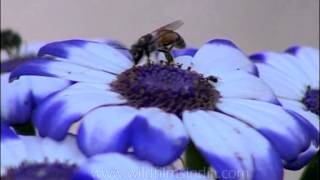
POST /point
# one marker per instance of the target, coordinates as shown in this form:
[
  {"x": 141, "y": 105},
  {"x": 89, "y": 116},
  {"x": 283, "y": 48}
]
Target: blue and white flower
[
  {"x": 19, "y": 98},
  {"x": 31, "y": 157},
  {"x": 154, "y": 110},
  {"x": 294, "y": 77}
]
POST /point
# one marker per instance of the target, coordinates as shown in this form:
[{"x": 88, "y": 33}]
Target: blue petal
[
  {"x": 55, "y": 115},
  {"x": 306, "y": 125},
  {"x": 158, "y": 137},
  {"x": 234, "y": 149},
  {"x": 303, "y": 159},
  {"x": 221, "y": 56},
  {"x": 248, "y": 87},
  {"x": 282, "y": 72},
  {"x": 16, "y": 100},
  {"x": 120, "y": 47},
  {"x": 108, "y": 128},
  {"x": 113, "y": 166},
  {"x": 58, "y": 48},
  {"x": 272, "y": 121},
  {"x": 95, "y": 55},
  {"x": 184, "y": 52},
  {"x": 7, "y": 132},
  {"x": 59, "y": 69},
  {"x": 308, "y": 62}
]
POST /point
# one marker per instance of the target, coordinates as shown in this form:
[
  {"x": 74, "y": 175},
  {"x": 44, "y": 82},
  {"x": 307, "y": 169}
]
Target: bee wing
[{"x": 171, "y": 26}]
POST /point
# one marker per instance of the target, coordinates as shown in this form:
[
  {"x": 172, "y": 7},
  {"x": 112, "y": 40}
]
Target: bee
[
  {"x": 163, "y": 39},
  {"x": 10, "y": 41}
]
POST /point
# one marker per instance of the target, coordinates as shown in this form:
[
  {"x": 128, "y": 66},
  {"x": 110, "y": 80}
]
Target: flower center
[
  {"x": 43, "y": 171},
  {"x": 311, "y": 100},
  {"x": 167, "y": 87}
]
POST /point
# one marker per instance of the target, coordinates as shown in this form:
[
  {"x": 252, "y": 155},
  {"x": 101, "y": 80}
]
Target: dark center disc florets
[
  {"x": 311, "y": 100},
  {"x": 167, "y": 87},
  {"x": 40, "y": 171}
]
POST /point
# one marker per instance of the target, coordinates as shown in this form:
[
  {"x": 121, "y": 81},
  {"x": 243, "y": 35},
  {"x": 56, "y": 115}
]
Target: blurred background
[{"x": 253, "y": 25}]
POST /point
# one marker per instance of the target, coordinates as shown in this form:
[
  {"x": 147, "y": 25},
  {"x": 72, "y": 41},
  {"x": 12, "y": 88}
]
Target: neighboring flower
[
  {"x": 19, "y": 98},
  {"x": 30, "y": 157},
  {"x": 231, "y": 116},
  {"x": 294, "y": 77}
]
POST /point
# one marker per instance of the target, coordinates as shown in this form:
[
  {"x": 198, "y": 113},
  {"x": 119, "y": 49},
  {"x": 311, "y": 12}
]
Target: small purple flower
[
  {"x": 30, "y": 157},
  {"x": 294, "y": 77},
  {"x": 154, "y": 110}
]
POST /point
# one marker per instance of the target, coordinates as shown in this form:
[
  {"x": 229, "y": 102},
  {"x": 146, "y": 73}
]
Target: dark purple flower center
[
  {"x": 311, "y": 100},
  {"x": 40, "y": 171},
  {"x": 167, "y": 87}
]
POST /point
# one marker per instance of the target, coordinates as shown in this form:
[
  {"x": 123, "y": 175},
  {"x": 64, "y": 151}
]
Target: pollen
[
  {"x": 167, "y": 87},
  {"x": 43, "y": 170}
]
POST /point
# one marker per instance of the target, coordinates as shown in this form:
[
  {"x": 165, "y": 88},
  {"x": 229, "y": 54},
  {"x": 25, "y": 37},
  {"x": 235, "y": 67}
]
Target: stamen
[
  {"x": 43, "y": 171},
  {"x": 167, "y": 87}
]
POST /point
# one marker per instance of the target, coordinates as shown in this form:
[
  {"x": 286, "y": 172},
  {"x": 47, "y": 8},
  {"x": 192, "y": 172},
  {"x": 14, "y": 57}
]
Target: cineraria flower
[
  {"x": 31, "y": 157},
  {"x": 230, "y": 115},
  {"x": 19, "y": 98},
  {"x": 294, "y": 77}
]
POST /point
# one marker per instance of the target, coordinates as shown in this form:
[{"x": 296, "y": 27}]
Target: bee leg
[
  {"x": 148, "y": 57},
  {"x": 168, "y": 55}
]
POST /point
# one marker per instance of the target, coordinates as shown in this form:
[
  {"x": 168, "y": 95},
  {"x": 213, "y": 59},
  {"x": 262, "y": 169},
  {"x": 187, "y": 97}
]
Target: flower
[
  {"x": 231, "y": 116},
  {"x": 294, "y": 77},
  {"x": 33, "y": 157},
  {"x": 19, "y": 98}
]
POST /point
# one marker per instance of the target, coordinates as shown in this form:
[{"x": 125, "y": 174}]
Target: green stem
[
  {"x": 25, "y": 129},
  {"x": 194, "y": 160},
  {"x": 312, "y": 170}
]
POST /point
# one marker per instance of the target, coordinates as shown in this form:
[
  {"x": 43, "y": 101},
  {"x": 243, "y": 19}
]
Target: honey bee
[{"x": 163, "y": 39}]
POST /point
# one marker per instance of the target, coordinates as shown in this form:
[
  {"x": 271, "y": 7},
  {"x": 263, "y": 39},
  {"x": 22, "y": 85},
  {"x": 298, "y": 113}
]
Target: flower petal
[
  {"x": 286, "y": 64},
  {"x": 184, "y": 52},
  {"x": 16, "y": 100},
  {"x": 63, "y": 151},
  {"x": 307, "y": 125},
  {"x": 185, "y": 61},
  {"x": 91, "y": 54},
  {"x": 299, "y": 109},
  {"x": 158, "y": 137},
  {"x": 120, "y": 47},
  {"x": 308, "y": 62},
  {"x": 224, "y": 142},
  {"x": 272, "y": 121},
  {"x": 303, "y": 159},
  {"x": 33, "y": 148},
  {"x": 107, "y": 128},
  {"x": 220, "y": 55},
  {"x": 189, "y": 175},
  {"x": 55, "y": 115},
  {"x": 63, "y": 70},
  {"x": 247, "y": 87},
  {"x": 13, "y": 151},
  {"x": 113, "y": 166},
  {"x": 7, "y": 133},
  {"x": 283, "y": 85}
]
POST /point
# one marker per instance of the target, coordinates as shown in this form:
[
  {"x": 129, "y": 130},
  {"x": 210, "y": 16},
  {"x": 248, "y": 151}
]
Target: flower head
[
  {"x": 294, "y": 77},
  {"x": 154, "y": 110}
]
